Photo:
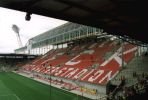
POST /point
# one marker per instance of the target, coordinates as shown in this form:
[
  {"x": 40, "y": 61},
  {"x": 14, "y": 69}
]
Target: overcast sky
[{"x": 28, "y": 29}]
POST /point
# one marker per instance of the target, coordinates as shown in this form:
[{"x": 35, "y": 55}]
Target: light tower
[{"x": 16, "y": 29}]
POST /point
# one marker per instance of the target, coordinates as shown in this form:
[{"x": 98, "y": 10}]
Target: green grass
[{"x": 16, "y": 87}]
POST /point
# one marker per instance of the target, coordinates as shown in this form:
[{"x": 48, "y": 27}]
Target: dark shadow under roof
[{"x": 119, "y": 17}]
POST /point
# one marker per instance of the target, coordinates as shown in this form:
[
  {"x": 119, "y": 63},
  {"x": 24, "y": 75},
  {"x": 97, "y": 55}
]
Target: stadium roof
[
  {"x": 120, "y": 17},
  {"x": 55, "y": 31}
]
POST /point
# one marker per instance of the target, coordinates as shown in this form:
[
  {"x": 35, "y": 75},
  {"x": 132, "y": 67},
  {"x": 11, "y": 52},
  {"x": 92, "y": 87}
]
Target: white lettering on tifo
[
  {"x": 83, "y": 78},
  {"x": 67, "y": 71},
  {"x": 71, "y": 62},
  {"x": 50, "y": 70},
  {"x": 107, "y": 77},
  {"x": 60, "y": 71},
  {"x": 55, "y": 70},
  {"x": 37, "y": 69},
  {"x": 80, "y": 74},
  {"x": 96, "y": 76},
  {"x": 71, "y": 73}
]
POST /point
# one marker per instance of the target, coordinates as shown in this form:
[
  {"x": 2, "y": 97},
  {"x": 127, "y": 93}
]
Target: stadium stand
[
  {"x": 83, "y": 60},
  {"x": 73, "y": 67}
]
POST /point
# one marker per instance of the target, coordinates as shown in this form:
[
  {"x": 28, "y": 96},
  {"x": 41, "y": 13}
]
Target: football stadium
[{"x": 100, "y": 59}]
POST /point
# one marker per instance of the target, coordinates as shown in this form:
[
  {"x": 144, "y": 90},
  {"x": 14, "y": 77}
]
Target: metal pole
[
  {"x": 122, "y": 51},
  {"x": 50, "y": 82}
]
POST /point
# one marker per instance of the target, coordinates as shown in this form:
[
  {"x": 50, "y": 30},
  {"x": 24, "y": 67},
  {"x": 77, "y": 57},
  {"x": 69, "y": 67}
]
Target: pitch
[{"x": 16, "y": 87}]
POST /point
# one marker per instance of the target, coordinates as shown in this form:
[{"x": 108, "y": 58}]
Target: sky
[{"x": 28, "y": 29}]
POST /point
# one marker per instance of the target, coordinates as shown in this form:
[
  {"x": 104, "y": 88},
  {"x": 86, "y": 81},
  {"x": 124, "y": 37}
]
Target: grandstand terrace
[
  {"x": 81, "y": 59},
  {"x": 11, "y": 60}
]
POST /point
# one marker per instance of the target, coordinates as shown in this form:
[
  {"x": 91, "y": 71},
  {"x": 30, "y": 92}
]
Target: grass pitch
[{"x": 16, "y": 87}]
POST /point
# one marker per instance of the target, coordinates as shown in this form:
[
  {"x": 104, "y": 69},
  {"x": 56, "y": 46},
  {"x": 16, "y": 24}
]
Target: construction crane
[{"x": 16, "y": 29}]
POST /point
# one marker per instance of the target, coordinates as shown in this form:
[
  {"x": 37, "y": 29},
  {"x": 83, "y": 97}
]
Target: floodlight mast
[{"x": 16, "y": 29}]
